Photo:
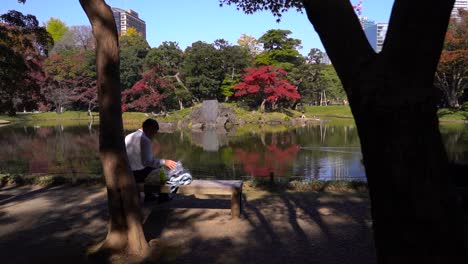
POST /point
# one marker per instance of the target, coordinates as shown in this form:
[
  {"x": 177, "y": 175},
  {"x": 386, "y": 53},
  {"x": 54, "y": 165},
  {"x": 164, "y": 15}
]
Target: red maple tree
[
  {"x": 146, "y": 94},
  {"x": 266, "y": 84}
]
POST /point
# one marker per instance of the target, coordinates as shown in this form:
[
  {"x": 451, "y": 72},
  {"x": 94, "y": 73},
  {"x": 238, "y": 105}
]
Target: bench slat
[
  {"x": 207, "y": 187},
  {"x": 215, "y": 187}
]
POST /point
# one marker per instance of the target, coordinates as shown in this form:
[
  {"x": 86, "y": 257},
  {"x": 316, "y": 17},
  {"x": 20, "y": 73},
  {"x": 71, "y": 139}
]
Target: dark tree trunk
[
  {"x": 11, "y": 108},
  {"x": 125, "y": 230},
  {"x": 416, "y": 216}
]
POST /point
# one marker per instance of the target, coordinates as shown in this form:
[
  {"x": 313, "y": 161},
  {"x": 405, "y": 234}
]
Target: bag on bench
[{"x": 177, "y": 177}]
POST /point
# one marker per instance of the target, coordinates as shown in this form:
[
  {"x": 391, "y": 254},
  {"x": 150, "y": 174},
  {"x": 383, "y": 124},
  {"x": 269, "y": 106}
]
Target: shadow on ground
[
  {"x": 275, "y": 228},
  {"x": 56, "y": 225},
  {"x": 50, "y": 225}
]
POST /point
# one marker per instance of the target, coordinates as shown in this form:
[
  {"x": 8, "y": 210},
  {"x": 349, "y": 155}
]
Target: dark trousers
[{"x": 141, "y": 175}]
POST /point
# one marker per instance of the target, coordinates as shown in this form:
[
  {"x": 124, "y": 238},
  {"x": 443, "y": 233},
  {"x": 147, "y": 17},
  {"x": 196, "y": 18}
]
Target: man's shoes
[{"x": 150, "y": 197}]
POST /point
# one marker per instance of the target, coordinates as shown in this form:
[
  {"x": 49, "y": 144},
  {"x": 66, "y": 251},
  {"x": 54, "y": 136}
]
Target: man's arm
[{"x": 147, "y": 158}]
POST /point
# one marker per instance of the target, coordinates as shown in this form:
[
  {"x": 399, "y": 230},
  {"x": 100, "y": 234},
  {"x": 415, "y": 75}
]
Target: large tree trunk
[
  {"x": 125, "y": 230},
  {"x": 416, "y": 217}
]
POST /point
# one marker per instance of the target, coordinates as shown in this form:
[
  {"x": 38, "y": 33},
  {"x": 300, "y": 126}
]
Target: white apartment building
[
  {"x": 375, "y": 32},
  {"x": 463, "y": 4},
  {"x": 381, "y": 33}
]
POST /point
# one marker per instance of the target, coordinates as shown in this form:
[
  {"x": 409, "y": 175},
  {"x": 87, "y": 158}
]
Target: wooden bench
[{"x": 214, "y": 187}]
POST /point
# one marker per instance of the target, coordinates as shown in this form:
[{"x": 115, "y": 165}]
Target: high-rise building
[
  {"x": 459, "y": 4},
  {"x": 370, "y": 29},
  {"x": 375, "y": 32},
  {"x": 125, "y": 19},
  {"x": 381, "y": 33}
]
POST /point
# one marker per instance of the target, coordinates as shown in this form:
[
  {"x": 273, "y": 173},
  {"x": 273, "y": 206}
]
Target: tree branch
[{"x": 415, "y": 36}]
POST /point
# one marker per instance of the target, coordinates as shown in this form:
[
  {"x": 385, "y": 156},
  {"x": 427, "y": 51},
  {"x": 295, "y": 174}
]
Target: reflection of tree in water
[
  {"x": 52, "y": 150},
  {"x": 311, "y": 152},
  {"x": 14, "y": 148},
  {"x": 273, "y": 160},
  {"x": 39, "y": 160},
  {"x": 455, "y": 138}
]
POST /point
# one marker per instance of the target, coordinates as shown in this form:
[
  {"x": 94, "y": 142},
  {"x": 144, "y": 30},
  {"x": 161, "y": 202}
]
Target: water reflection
[
  {"x": 321, "y": 151},
  {"x": 54, "y": 150}
]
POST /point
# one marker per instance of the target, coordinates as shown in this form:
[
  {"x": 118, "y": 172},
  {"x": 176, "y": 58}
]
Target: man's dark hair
[{"x": 150, "y": 123}]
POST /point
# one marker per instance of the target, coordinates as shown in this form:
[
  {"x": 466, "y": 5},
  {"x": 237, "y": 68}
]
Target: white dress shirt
[{"x": 139, "y": 151}]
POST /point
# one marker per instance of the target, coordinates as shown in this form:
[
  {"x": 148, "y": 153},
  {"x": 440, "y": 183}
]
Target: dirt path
[{"x": 56, "y": 225}]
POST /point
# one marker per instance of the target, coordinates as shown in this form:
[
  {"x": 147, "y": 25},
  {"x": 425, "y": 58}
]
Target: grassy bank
[
  {"x": 449, "y": 115},
  {"x": 321, "y": 112},
  {"x": 48, "y": 180}
]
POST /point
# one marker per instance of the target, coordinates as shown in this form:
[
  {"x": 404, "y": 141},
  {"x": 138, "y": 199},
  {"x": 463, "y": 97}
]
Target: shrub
[{"x": 464, "y": 106}]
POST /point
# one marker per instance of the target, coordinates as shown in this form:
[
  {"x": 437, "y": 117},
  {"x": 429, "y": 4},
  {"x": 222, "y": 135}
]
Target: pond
[{"x": 319, "y": 151}]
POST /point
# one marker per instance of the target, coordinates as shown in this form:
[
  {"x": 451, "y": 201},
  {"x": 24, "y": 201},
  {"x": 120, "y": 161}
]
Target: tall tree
[
  {"x": 279, "y": 50},
  {"x": 334, "y": 89},
  {"x": 83, "y": 36},
  {"x": 416, "y": 217},
  {"x": 250, "y": 43},
  {"x": 235, "y": 59},
  {"x": 72, "y": 79},
  {"x": 166, "y": 61},
  {"x": 167, "y": 58},
  {"x": 147, "y": 94},
  {"x": 133, "y": 49},
  {"x": 56, "y": 28},
  {"x": 452, "y": 72},
  {"x": 77, "y": 37},
  {"x": 125, "y": 231},
  {"x": 202, "y": 70},
  {"x": 266, "y": 84},
  {"x": 315, "y": 56},
  {"x": 23, "y": 44},
  {"x": 61, "y": 72},
  {"x": 317, "y": 82}
]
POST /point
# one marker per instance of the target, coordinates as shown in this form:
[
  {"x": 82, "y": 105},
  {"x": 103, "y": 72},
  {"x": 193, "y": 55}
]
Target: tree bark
[
  {"x": 125, "y": 231},
  {"x": 451, "y": 87},
  {"x": 262, "y": 105},
  {"x": 416, "y": 216}
]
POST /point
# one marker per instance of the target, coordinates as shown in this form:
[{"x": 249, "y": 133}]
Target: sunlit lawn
[{"x": 340, "y": 111}]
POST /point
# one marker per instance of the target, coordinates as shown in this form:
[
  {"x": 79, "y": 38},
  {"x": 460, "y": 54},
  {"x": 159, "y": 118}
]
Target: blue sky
[{"x": 188, "y": 21}]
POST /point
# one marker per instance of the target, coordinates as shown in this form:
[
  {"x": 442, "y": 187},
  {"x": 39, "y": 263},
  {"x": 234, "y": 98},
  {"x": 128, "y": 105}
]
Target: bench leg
[{"x": 236, "y": 203}]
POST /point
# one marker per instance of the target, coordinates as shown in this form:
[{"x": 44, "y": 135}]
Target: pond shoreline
[
  {"x": 238, "y": 116},
  {"x": 269, "y": 122},
  {"x": 254, "y": 183}
]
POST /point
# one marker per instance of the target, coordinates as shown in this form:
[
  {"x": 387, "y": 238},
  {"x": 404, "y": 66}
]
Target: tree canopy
[
  {"x": 133, "y": 50},
  {"x": 452, "y": 72},
  {"x": 23, "y": 44},
  {"x": 266, "y": 84},
  {"x": 56, "y": 28},
  {"x": 279, "y": 50}
]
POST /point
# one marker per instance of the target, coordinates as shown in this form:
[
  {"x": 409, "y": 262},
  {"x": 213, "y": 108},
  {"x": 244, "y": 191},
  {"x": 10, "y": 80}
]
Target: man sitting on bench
[{"x": 140, "y": 155}]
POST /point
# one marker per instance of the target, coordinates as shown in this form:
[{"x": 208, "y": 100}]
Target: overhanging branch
[{"x": 415, "y": 35}]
